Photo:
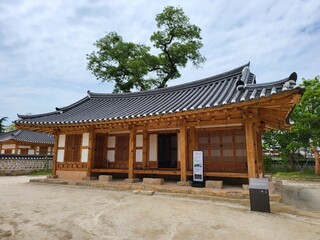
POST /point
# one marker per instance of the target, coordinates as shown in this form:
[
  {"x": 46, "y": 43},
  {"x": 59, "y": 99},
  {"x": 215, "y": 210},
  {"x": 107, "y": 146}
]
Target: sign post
[
  {"x": 259, "y": 194},
  {"x": 197, "y": 176}
]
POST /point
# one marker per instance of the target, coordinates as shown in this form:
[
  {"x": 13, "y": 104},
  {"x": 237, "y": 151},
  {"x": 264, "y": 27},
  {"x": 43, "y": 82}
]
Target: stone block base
[
  {"x": 143, "y": 192},
  {"x": 52, "y": 176},
  {"x": 105, "y": 178},
  {"x": 89, "y": 178},
  {"x": 245, "y": 186},
  {"x": 275, "y": 186},
  {"x": 153, "y": 181},
  {"x": 184, "y": 183},
  {"x": 131, "y": 180},
  {"x": 214, "y": 184},
  {"x": 74, "y": 175}
]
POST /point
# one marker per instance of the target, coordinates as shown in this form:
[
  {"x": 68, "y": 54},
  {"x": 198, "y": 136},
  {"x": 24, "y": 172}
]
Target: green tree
[
  {"x": 306, "y": 116},
  {"x": 286, "y": 142},
  {"x": 131, "y": 65},
  {"x": 2, "y": 127},
  {"x": 305, "y": 132},
  {"x": 11, "y": 127}
]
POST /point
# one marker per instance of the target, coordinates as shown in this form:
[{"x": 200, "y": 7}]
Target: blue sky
[{"x": 43, "y": 44}]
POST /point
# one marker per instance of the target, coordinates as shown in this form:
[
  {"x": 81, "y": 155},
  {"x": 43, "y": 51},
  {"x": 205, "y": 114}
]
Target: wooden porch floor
[{"x": 170, "y": 172}]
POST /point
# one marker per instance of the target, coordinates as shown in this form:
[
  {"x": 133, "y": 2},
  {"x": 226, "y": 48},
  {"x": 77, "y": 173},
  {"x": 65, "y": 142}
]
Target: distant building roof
[
  {"x": 235, "y": 86},
  {"x": 27, "y": 136}
]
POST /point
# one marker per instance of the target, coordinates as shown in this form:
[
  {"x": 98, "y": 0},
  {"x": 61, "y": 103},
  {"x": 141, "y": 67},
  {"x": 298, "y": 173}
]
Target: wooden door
[
  {"x": 72, "y": 149},
  {"x": 99, "y": 151},
  {"x": 122, "y": 148}
]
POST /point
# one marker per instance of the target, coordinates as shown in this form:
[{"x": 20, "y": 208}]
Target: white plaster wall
[
  {"x": 111, "y": 141},
  {"x": 139, "y": 140},
  {"x": 37, "y": 150},
  {"x": 139, "y": 155},
  {"x": 153, "y": 147},
  {"x": 84, "y": 155},
  {"x": 30, "y": 152},
  {"x": 19, "y": 151},
  {"x": 62, "y": 140},
  {"x": 2, "y": 151},
  {"x": 6, "y": 146},
  {"x": 23, "y": 146},
  {"x": 60, "y": 155},
  {"x": 110, "y": 155},
  {"x": 85, "y": 139}
]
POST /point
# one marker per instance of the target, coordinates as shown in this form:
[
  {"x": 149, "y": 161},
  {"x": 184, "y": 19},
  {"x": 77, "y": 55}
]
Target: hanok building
[
  {"x": 23, "y": 142},
  {"x": 155, "y": 132}
]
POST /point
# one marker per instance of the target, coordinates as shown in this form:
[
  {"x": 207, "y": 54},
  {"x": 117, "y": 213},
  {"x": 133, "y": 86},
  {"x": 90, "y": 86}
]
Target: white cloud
[{"x": 43, "y": 44}]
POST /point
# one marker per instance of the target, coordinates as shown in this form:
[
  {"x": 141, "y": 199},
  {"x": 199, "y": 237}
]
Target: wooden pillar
[
  {"x": 55, "y": 153},
  {"x": 260, "y": 155},
  {"x": 91, "y": 148},
  {"x": 251, "y": 147},
  {"x": 132, "y": 152},
  {"x": 192, "y": 145},
  {"x": 183, "y": 152},
  {"x": 16, "y": 149},
  {"x": 145, "y": 149}
]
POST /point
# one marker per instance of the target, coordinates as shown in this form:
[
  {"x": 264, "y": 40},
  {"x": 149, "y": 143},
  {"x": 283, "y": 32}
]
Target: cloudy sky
[{"x": 43, "y": 44}]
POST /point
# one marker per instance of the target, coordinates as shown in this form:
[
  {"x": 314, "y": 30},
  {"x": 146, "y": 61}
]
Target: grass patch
[
  {"x": 297, "y": 175},
  {"x": 38, "y": 173}
]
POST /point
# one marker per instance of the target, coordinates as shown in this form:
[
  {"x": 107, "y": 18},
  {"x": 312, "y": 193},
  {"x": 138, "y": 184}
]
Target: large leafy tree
[
  {"x": 132, "y": 66},
  {"x": 305, "y": 132},
  {"x": 2, "y": 127},
  {"x": 306, "y": 116}
]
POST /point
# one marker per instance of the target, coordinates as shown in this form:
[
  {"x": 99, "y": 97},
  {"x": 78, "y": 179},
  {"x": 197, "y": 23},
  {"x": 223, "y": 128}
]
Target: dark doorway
[{"x": 167, "y": 150}]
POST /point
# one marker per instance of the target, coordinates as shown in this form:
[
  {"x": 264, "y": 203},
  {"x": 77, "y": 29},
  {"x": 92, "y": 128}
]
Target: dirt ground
[{"x": 47, "y": 211}]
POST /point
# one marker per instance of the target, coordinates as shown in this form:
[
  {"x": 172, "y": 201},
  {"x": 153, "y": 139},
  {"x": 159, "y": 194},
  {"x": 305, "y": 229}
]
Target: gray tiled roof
[
  {"x": 234, "y": 86},
  {"x": 27, "y": 136}
]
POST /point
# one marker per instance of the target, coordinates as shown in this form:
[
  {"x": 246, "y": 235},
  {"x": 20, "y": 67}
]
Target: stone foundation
[{"x": 75, "y": 175}]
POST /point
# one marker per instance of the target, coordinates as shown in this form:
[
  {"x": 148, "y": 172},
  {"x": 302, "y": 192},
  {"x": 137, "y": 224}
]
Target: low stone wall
[{"x": 19, "y": 165}]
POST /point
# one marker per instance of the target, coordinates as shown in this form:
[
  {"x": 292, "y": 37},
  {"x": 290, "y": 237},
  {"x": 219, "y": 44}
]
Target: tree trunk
[{"x": 316, "y": 160}]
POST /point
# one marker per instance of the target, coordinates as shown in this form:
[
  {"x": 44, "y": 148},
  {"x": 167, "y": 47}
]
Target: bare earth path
[{"x": 45, "y": 211}]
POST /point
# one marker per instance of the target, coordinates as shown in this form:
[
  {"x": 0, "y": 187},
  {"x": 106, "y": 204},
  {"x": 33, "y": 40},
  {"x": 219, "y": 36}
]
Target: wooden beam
[
  {"x": 192, "y": 145},
  {"x": 260, "y": 154},
  {"x": 145, "y": 148},
  {"x": 55, "y": 153},
  {"x": 132, "y": 152},
  {"x": 91, "y": 151},
  {"x": 183, "y": 152},
  {"x": 250, "y": 145}
]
